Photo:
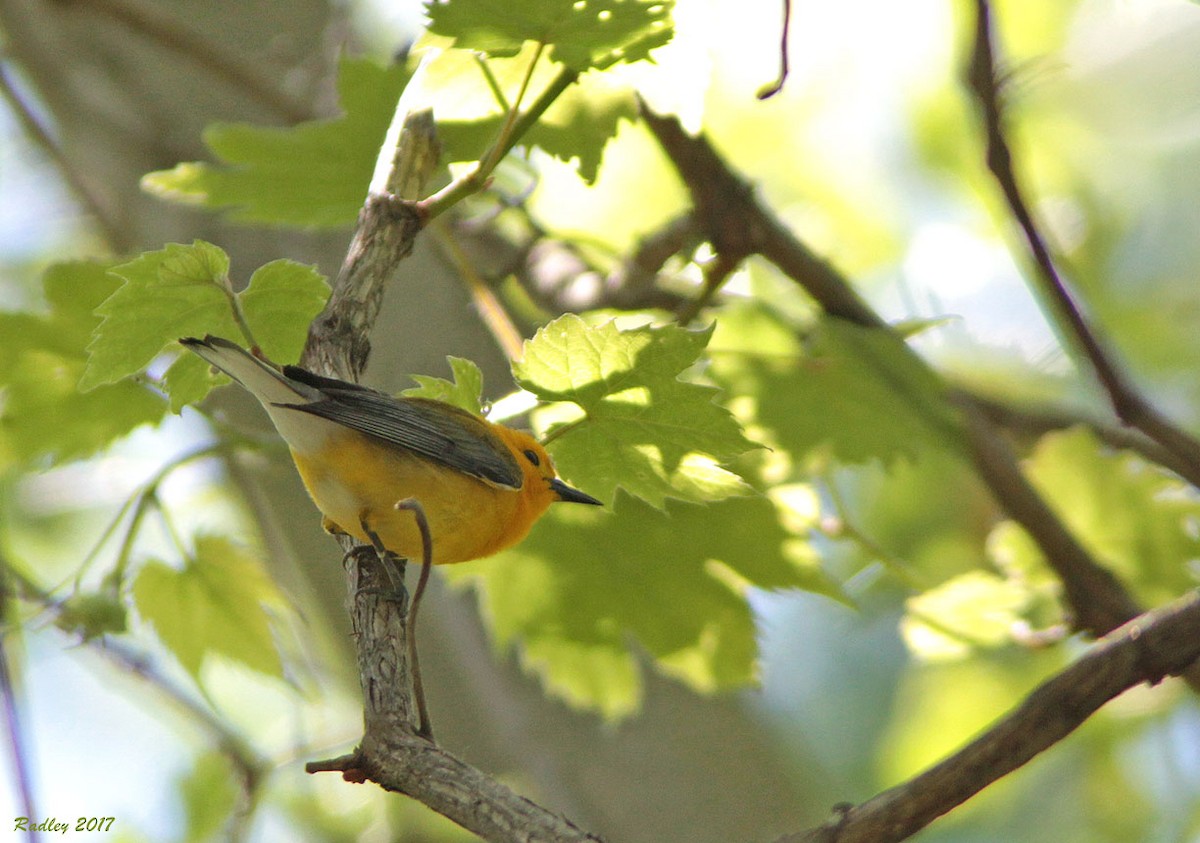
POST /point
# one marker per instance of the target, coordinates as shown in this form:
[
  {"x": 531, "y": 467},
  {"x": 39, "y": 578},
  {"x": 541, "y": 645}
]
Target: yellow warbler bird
[{"x": 359, "y": 452}]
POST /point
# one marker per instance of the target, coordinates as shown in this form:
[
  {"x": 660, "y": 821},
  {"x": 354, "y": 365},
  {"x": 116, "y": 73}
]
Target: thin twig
[
  {"x": 1034, "y": 420},
  {"x": 14, "y": 729},
  {"x": 487, "y": 304},
  {"x": 736, "y": 222},
  {"x": 76, "y": 181},
  {"x": 1157, "y": 644},
  {"x": 768, "y": 91},
  {"x": 716, "y": 273},
  {"x": 631, "y": 284},
  {"x": 248, "y": 764},
  {"x": 1130, "y": 405}
]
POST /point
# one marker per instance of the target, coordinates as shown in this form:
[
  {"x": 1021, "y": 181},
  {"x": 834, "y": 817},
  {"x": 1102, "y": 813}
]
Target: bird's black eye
[{"x": 532, "y": 456}]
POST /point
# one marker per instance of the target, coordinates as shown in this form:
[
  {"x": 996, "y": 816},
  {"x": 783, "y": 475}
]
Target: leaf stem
[
  {"x": 850, "y": 530},
  {"x": 138, "y": 502},
  {"x": 492, "y": 83},
  {"x": 169, "y": 526},
  {"x": 518, "y": 125},
  {"x": 491, "y": 310},
  {"x": 502, "y": 140},
  {"x": 239, "y": 316},
  {"x": 564, "y": 429}
]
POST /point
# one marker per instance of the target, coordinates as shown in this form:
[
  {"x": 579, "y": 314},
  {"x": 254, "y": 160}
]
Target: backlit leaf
[
  {"x": 314, "y": 174},
  {"x": 644, "y": 429},
  {"x": 43, "y": 414},
  {"x": 581, "y": 33},
  {"x": 588, "y": 584},
  {"x": 214, "y": 604}
]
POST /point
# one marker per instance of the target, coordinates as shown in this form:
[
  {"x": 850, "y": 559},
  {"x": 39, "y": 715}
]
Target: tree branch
[
  {"x": 338, "y": 339},
  {"x": 560, "y": 277},
  {"x": 395, "y": 757},
  {"x": 737, "y": 224},
  {"x": 1034, "y": 420},
  {"x": 1160, "y": 643},
  {"x": 1128, "y": 403},
  {"x": 392, "y": 754},
  {"x": 75, "y": 180},
  {"x": 1096, "y": 597}
]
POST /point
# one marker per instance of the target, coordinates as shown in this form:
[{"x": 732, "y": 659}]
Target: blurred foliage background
[{"x": 872, "y": 152}]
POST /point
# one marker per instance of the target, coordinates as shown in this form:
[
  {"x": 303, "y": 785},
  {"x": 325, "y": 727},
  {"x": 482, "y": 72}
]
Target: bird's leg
[
  {"x": 393, "y": 565},
  {"x": 424, "y": 727},
  {"x": 332, "y": 527}
]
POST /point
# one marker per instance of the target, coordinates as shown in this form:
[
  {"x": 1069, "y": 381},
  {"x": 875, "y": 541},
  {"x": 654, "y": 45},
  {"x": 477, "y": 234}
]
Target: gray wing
[{"x": 436, "y": 431}]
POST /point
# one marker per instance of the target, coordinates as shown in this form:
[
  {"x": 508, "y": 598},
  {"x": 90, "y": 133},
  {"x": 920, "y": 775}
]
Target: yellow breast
[{"x": 356, "y": 479}]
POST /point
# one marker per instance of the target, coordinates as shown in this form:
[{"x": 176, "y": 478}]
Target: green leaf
[
  {"x": 577, "y": 126},
  {"x": 177, "y": 291},
  {"x": 188, "y": 380},
  {"x": 314, "y": 174},
  {"x": 200, "y": 261},
  {"x": 280, "y": 302},
  {"x": 464, "y": 391},
  {"x": 862, "y": 392},
  {"x": 581, "y": 123},
  {"x": 644, "y": 429},
  {"x": 91, "y": 615},
  {"x": 582, "y": 33},
  {"x": 1135, "y": 518},
  {"x": 975, "y": 609},
  {"x": 589, "y": 589},
  {"x": 43, "y": 414},
  {"x": 209, "y": 797},
  {"x": 185, "y": 290},
  {"x": 214, "y": 604}
]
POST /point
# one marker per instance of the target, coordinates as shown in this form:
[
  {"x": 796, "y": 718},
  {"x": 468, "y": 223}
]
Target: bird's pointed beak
[{"x": 566, "y": 493}]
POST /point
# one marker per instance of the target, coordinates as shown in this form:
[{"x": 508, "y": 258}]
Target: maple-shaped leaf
[
  {"x": 589, "y": 590},
  {"x": 644, "y": 428},
  {"x": 582, "y": 34},
  {"x": 186, "y": 291},
  {"x": 43, "y": 413},
  {"x": 861, "y": 392},
  {"x": 215, "y": 603},
  {"x": 463, "y": 392},
  {"x": 314, "y": 174}
]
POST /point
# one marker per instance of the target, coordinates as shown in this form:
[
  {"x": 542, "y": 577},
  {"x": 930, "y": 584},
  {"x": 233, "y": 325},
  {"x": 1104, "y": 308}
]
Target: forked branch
[{"x": 1127, "y": 401}]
